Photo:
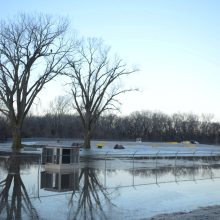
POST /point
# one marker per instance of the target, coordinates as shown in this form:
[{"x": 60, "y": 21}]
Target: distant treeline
[{"x": 150, "y": 126}]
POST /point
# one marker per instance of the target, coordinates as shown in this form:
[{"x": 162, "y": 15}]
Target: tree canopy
[
  {"x": 95, "y": 75},
  {"x": 32, "y": 48}
]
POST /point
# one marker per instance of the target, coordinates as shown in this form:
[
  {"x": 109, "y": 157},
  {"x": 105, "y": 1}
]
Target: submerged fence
[
  {"x": 180, "y": 165},
  {"x": 147, "y": 159},
  {"x": 119, "y": 169},
  {"x": 155, "y": 158}
]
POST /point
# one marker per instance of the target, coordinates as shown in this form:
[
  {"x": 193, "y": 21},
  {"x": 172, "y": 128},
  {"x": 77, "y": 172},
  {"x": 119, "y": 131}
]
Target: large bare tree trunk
[
  {"x": 16, "y": 137},
  {"x": 87, "y": 138}
]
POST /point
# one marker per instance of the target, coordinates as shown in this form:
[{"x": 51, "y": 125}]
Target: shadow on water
[{"x": 15, "y": 202}]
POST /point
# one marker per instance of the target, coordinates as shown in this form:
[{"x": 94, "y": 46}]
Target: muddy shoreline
[{"x": 203, "y": 213}]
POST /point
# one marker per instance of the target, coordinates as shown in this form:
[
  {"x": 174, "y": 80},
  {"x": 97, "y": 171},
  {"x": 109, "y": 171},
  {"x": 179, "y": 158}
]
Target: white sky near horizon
[{"x": 174, "y": 43}]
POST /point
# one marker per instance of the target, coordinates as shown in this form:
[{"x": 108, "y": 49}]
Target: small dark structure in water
[{"x": 119, "y": 146}]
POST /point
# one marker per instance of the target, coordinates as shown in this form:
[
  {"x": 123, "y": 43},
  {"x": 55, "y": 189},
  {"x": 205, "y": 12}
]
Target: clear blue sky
[{"x": 176, "y": 45}]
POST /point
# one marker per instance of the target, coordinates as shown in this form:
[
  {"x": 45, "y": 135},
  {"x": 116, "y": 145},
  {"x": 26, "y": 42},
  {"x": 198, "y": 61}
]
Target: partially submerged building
[
  {"x": 61, "y": 168},
  {"x": 60, "y": 157}
]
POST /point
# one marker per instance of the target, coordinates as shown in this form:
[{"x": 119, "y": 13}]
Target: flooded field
[{"x": 105, "y": 188}]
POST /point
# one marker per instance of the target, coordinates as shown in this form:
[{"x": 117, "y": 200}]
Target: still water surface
[{"x": 99, "y": 189}]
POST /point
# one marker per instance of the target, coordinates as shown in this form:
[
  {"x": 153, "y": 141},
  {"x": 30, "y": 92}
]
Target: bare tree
[
  {"x": 95, "y": 86},
  {"x": 32, "y": 48},
  {"x": 59, "y": 106},
  {"x": 58, "y": 110}
]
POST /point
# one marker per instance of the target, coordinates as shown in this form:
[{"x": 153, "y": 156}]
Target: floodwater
[{"x": 112, "y": 188}]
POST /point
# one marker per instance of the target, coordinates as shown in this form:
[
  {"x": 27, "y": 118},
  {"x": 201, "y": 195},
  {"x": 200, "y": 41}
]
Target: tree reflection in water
[
  {"x": 14, "y": 199},
  {"x": 92, "y": 198}
]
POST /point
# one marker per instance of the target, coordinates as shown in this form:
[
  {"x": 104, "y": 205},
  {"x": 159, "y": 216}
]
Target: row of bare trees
[
  {"x": 150, "y": 126},
  {"x": 34, "y": 49}
]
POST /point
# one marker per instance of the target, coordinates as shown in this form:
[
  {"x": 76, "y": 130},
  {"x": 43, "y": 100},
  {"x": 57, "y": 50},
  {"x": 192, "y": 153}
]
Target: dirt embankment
[{"x": 205, "y": 213}]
